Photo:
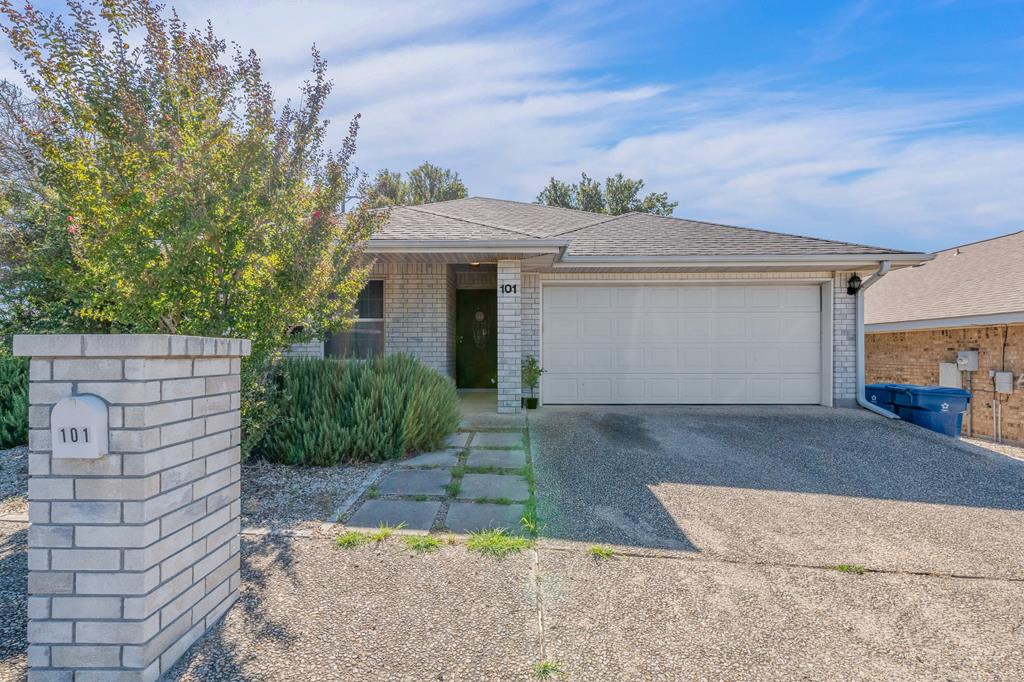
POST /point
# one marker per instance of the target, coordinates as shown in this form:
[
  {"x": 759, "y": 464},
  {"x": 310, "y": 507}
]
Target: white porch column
[{"x": 510, "y": 336}]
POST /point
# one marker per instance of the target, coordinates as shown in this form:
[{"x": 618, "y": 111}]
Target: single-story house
[
  {"x": 627, "y": 309},
  {"x": 969, "y": 298}
]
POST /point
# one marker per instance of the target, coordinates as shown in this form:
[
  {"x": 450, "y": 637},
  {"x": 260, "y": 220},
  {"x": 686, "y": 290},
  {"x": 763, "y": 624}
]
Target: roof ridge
[
  {"x": 764, "y": 231},
  {"x": 420, "y": 209},
  {"x": 607, "y": 219},
  {"x": 980, "y": 241}
]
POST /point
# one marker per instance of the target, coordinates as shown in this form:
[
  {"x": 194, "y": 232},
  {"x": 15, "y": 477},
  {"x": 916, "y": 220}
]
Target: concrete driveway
[{"x": 801, "y": 486}]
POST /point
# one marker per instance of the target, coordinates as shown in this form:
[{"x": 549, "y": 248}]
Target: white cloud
[{"x": 509, "y": 98}]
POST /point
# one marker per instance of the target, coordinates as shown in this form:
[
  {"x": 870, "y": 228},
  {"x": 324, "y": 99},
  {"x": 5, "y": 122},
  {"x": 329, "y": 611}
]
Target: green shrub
[
  {"x": 328, "y": 412},
  {"x": 13, "y": 402}
]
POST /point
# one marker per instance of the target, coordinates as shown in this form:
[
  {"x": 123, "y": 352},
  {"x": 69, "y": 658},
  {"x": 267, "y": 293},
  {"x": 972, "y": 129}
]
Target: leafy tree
[
  {"x": 424, "y": 184},
  {"x": 619, "y": 195},
  {"x": 160, "y": 192}
]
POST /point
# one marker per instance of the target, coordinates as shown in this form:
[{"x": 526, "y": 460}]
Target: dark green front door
[{"x": 476, "y": 338}]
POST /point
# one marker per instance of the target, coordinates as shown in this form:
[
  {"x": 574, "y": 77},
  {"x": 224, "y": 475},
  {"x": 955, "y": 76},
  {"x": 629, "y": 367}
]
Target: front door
[{"x": 476, "y": 338}]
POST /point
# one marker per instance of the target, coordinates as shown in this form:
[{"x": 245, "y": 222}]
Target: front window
[{"x": 365, "y": 338}]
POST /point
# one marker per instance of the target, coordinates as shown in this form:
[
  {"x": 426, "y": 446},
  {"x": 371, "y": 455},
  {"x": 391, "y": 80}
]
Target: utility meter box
[
  {"x": 79, "y": 428},
  {"x": 967, "y": 360},
  {"x": 1004, "y": 382},
  {"x": 949, "y": 375}
]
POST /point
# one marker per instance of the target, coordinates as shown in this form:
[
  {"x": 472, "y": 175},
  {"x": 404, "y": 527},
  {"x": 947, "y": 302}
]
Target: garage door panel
[
  {"x": 660, "y": 359},
  {"x": 801, "y": 327},
  {"x": 763, "y": 297},
  {"x": 694, "y": 358},
  {"x": 764, "y": 327},
  {"x": 730, "y": 297},
  {"x": 629, "y": 358},
  {"x": 697, "y": 298},
  {"x": 682, "y": 344},
  {"x": 567, "y": 329},
  {"x": 595, "y": 390},
  {"x": 628, "y": 298},
  {"x": 564, "y": 357},
  {"x": 697, "y": 327},
  {"x": 597, "y": 358},
  {"x": 629, "y": 327},
  {"x": 662, "y": 390},
  {"x": 597, "y": 328},
  {"x": 661, "y": 328},
  {"x": 730, "y": 358},
  {"x": 561, "y": 298},
  {"x": 596, "y": 299},
  {"x": 801, "y": 298},
  {"x": 661, "y": 298},
  {"x": 628, "y": 391},
  {"x": 731, "y": 328}
]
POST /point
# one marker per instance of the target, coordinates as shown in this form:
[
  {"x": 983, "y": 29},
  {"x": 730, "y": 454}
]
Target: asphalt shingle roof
[
  {"x": 598, "y": 234},
  {"x": 983, "y": 278}
]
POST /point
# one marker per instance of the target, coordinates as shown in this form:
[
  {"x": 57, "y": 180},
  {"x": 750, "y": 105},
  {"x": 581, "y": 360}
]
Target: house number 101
[
  {"x": 508, "y": 288},
  {"x": 72, "y": 435}
]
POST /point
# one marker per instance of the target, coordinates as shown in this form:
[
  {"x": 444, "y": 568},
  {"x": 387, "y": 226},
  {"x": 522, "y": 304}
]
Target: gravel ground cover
[
  {"x": 311, "y": 611},
  {"x": 13, "y": 481},
  {"x": 1015, "y": 451},
  {"x": 640, "y": 618},
  {"x": 13, "y": 601},
  {"x": 276, "y": 496}
]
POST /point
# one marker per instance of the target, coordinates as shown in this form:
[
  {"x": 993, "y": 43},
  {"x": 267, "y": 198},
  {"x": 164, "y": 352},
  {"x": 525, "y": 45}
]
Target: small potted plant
[{"x": 531, "y": 377}]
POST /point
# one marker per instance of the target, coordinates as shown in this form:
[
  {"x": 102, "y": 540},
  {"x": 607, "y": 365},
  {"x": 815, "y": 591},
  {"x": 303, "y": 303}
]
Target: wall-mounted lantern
[{"x": 853, "y": 285}]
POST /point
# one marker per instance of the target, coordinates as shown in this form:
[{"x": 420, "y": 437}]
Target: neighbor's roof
[
  {"x": 600, "y": 235},
  {"x": 974, "y": 280}
]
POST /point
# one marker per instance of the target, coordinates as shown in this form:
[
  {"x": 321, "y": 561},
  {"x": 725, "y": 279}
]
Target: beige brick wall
[
  {"x": 510, "y": 336},
  {"x": 419, "y": 312},
  {"x": 914, "y": 357},
  {"x": 134, "y": 555}
]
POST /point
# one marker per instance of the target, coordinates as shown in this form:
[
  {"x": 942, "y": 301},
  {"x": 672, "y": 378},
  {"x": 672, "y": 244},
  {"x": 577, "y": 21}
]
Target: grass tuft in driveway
[
  {"x": 497, "y": 543},
  {"x": 600, "y": 552},
  {"x": 546, "y": 670},
  {"x": 849, "y": 568},
  {"x": 422, "y": 544}
]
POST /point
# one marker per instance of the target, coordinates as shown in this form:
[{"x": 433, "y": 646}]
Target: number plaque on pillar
[{"x": 78, "y": 428}]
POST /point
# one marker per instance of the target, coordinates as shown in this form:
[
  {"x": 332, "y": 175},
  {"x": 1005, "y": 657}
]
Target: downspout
[{"x": 883, "y": 268}]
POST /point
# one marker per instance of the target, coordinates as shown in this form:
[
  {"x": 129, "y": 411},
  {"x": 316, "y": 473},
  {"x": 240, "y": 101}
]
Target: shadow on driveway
[{"x": 793, "y": 484}]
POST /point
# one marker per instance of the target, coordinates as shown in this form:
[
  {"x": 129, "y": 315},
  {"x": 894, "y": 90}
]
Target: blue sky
[{"x": 891, "y": 123}]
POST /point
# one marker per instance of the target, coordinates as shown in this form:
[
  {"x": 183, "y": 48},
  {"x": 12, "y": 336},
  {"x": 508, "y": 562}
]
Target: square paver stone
[
  {"x": 415, "y": 482},
  {"x": 441, "y": 458},
  {"x": 415, "y": 515},
  {"x": 503, "y": 459},
  {"x": 493, "y": 486},
  {"x": 457, "y": 440},
  {"x": 469, "y": 517},
  {"x": 497, "y": 439}
]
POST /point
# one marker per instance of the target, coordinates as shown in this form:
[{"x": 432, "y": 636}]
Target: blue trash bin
[
  {"x": 937, "y": 408},
  {"x": 880, "y": 395}
]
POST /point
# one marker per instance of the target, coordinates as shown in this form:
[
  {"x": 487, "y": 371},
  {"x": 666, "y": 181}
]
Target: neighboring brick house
[
  {"x": 633, "y": 308},
  {"x": 969, "y": 297}
]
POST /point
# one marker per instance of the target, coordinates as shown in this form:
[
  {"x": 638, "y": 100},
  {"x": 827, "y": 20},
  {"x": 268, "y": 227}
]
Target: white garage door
[{"x": 681, "y": 344}]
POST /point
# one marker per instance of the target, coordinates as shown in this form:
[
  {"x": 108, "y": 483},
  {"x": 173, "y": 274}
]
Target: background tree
[
  {"x": 619, "y": 195},
  {"x": 163, "y": 193},
  {"x": 424, "y": 184}
]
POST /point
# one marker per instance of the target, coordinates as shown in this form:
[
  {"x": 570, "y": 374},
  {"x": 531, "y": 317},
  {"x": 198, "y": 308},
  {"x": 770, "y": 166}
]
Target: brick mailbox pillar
[{"x": 132, "y": 554}]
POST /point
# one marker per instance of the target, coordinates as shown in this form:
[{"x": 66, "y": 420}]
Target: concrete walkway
[{"x": 478, "y": 482}]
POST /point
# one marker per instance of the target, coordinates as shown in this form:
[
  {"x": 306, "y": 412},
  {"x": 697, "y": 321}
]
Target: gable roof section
[
  {"x": 980, "y": 280},
  {"x": 642, "y": 234},
  {"x": 595, "y": 236}
]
